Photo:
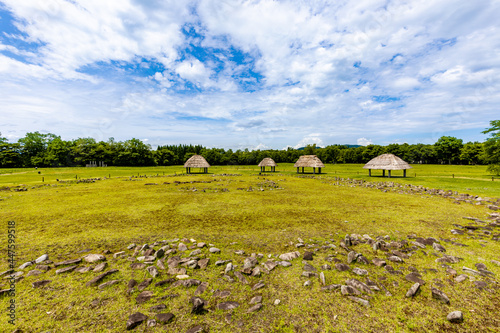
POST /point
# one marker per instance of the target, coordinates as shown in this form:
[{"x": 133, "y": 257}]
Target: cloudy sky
[{"x": 250, "y": 74}]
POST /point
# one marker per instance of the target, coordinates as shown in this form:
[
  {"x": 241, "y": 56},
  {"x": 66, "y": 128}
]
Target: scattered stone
[
  {"x": 198, "y": 304},
  {"x": 157, "y": 308},
  {"x": 186, "y": 283},
  {"x": 144, "y": 297},
  {"x": 135, "y": 320},
  {"x": 144, "y": 284},
  {"x": 455, "y": 317},
  {"x": 40, "y": 284},
  {"x": 256, "y": 299},
  {"x": 322, "y": 278},
  {"x": 98, "y": 278},
  {"x": 277, "y": 302},
  {"x": 131, "y": 284},
  {"x": 439, "y": 295},
  {"x": 83, "y": 269},
  {"x": 359, "y": 286},
  {"x": 352, "y": 256},
  {"x": 480, "y": 284},
  {"x": 331, "y": 287},
  {"x": 249, "y": 264},
  {"x": 222, "y": 294},
  {"x": 176, "y": 271},
  {"x": 201, "y": 245},
  {"x": 94, "y": 258},
  {"x": 41, "y": 258},
  {"x": 100, "y": 267},
  {"x": 284, "y": 263},
  {"x": 65, "y": 269},
  {"x": 34, "y": 272},
  {"x": 108, "y": 283},
  {"x": 196, "y": 329},
  {"x": 470, "y": 271},
  {"x": 415, "y": 278},
  {"x": 137, "y": 265},
  {"x": 164, "y": 318},
  {"x": 359, "y": 271},
  {"x": 307, "y": 283},
  {"x": 308, "y": 256},
  {"x": 438, "y": 247},
  {"x": 289, "y": 256},
  {"x": 378, "y": 262},
  {"x": 227, "y": 305},
  {"x": 413, "y": 290},
  {"x": 348, "y": 290},
  {"x": 203, "y": 263},
  {"x": 361, "y": 301},
  {"x": 119, "y": 254},
  {"x": 258, "y": 285},
  {"x": 214, "y": 250},
  {"x": 342, "y": 267},
  {"x": 181, "y": 247},
  {"x": 131, "y": 246},
  {"x": 240, "y": 277},
  {"x": 164, "y": 282},
  {"x": 461, "y": 278},
  {"x": 151, "y": 323},
  {"x": 153, "y": 271},
  {"x": 480, "y": 266},
  {"x": 326, "y": 267},
  {"x": 26, "y": 264},
  {"x": 255, "y": 308},
  {"x": 201, "y": 288},
  {"x": 395, "y": 259}
]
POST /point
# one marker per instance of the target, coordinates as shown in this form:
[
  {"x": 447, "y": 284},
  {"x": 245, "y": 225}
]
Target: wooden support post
[
  {"x": 297, "y": 169},
  {"x": 319, "y": 170},
  {"x": 369, "y": 172},
  {"x": 383, "y": 173},
  {"x": 404, "y": 172},
  {"x": 389, "y": 173},
  {"x": 314, "y": 170},
  {"x": 302, "y": 169},
  {"x": 43, "y": 179}
]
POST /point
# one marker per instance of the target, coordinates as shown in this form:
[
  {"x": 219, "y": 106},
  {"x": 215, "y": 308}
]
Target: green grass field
[{"x": 62, "y": 218}]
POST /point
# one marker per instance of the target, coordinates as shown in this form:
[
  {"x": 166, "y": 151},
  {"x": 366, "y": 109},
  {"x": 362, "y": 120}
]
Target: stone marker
[
  {"x": 413, "y": 290},
  {"x": 455, "y": 317},
  {"x": 135, "y": 320},
  {"x": 98, "y": 278},
  {"x": 439, "y": 295},
  {"x": 144, "y": 297},
  {"x": 227, "y": 305},
  {"x": 94, "y": 257},
  {"x": 164, "y": 318},
  {"x": 39, "y": 284}
]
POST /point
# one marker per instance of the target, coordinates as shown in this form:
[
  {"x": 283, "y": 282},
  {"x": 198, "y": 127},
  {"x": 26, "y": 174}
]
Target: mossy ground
[{"x": 112, "y": 213}]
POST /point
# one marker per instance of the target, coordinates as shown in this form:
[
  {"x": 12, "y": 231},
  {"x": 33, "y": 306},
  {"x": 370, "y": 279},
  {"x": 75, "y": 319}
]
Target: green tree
[
  {"x": 448, "y": 149},
  {"x": 472, "y": 153},
  {"x": 34, "y": 145},
  {"x": 492, "y": 147},
  {"x": 57, "y": 153},
  {"x": 10, "y": 153}
]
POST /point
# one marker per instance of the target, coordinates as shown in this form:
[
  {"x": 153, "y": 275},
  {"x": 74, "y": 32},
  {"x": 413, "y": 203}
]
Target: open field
[{"x": 235, "y": 208}]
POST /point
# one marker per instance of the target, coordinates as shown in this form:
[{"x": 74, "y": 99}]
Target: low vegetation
[{"x": 77, "y": 211}]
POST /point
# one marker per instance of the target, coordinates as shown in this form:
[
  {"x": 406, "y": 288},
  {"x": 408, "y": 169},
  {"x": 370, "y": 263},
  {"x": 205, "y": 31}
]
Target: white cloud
[
  {"x": 342, "y": 70},
  {"x": 364, "y": 142}
]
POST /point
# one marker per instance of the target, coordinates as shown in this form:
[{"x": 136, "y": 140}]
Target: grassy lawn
[{"x": 264, "y": 214}]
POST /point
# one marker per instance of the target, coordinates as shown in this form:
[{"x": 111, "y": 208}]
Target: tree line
[{"x": 49, "y": 150}]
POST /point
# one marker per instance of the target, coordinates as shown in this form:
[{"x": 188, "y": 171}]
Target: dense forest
[{"x": 49, "y": 150}]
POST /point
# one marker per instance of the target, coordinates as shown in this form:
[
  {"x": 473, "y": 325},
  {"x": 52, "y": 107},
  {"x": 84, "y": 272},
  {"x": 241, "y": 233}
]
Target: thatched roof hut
[
  {"x": 309, "y": 161},
  {"x": 267, "y": 162},
  {"x": 387, "y": 162},
  {"x": 196, "y": 161}
]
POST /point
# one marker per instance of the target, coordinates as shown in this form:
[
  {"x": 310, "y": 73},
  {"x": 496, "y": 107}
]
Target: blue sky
[{"x": 250, "y": 74}]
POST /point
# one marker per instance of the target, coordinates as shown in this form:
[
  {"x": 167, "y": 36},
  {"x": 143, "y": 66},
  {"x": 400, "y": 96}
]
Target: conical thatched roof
[
  {"x": 309, "y": 161},
  {"x": 267, "y": 162},
  {"x": 387, "y": 162},
  {"x": 196, "y": 161}
]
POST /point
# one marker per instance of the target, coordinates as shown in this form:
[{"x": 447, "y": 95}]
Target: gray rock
[
  {"x": 289, "y": 256},
  {"x": 256, "y": 272},
  {"x": 308, "y": 256},
  {"x": 42, "y": 258},
  {"x": 352, "y": 256},
  {"x": 249, "y": 264},
  {"x": 227, "y": 305},
  {"x": 164, "y": 318},
  {"x": 99, "y": 278},
  {"x": 40, "y": 284},
  {"x": 461, "y": 278},
  {"x": 144, "y": 297},
  {"x": 415, "y": 277},
  {"x": 192, "y": 264},
  {"x": 131, "y": 246},
  {"x": 68, "y": 262},
  {"x": 151, "y": 323},
  {"x": 439, "y": 295},
  {"x": 438, "y": 247},
  {"x": 83, "y": 269},
  {"x": 270, "y": 265},
  {"x": 94, "y": 257},
  {"x": 348, "y": 290},
  {"x": 307, "y": 283},
  {"x": 100, "y": 267},
  {"x": 447, "y": 259},
  {"x": 413, "y": 290},
  {"x": 496, "y": 262},
  {"x": 455, "y": 317},
  {"x": 322, "y": 278},
  {"x": 359, "y": 271},
  {"x": 258, "y": 285},
  {"x": 255, "y": 308},
  {"x": 395, "y": 259},
  {"x": 229, "y": 268},
  {"x": 26, "y": 264},
  {"x": 256, "y": 299},
  {"x": 361, "y": 301},
  {"x": 108, "y": 283},
  {"x": 34, "y": 272},
  {"x": 176, "y": 271},
  {"x": 201, "y": 245},
  {"x": 331, "y": 287},
  {"x": 480, "y": 266},
  {"x": 359, "y": 286},
  {"x": 201, "y": 288},
  {"x": 196, "y": 329},
  {"x": 181, "y": 247},
  {"x": 160, "y": 253},
  {"x": 203, "y": 263},
  {"x": 135, "y": 320},
  {"x": 326, "y": 267},
  {"x": 309, "y": 268},
  {"x": 65, "y": 269},
  {"x": 284, "y": 263},
  {"x": 470, "y": 271},
  {"x": 240, "y": 277},
  {"x": 131, "y": 284},
  {"x": 137, "y": 265},
  {"x": 342, "y": 267},
  {"x": 198, "y": 305},
  {"x": 186, "y": 283},
  {"x": 214, "y": 250},
  {"x": 144, "y": 284},
  {"x": 378, "y": 262},
  {"x": 195, "y": 253},
  {"x": 222, "y": 294}
]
